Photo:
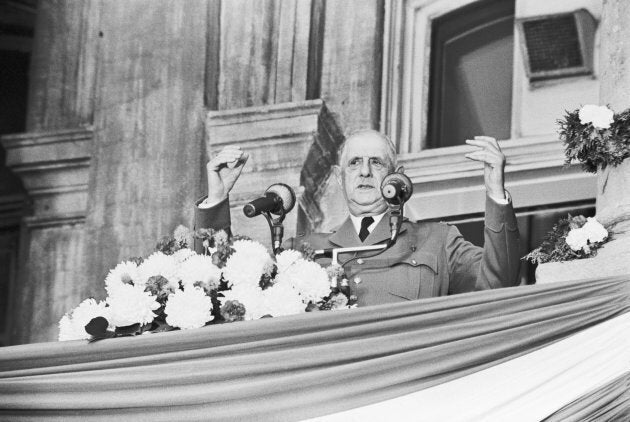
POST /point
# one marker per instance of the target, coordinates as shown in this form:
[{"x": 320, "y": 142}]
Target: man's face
[{"x": 364, "y": 164}]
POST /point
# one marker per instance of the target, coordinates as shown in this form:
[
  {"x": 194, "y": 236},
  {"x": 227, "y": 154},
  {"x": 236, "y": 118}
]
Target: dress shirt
[{"x": 356, "y": 222}]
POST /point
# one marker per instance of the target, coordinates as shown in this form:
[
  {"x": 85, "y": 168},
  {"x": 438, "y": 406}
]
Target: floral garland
[
  {"x": 175, "y": 288},
  {"x": 596, "y": 137},
  {"x": 571, "y": 238}
]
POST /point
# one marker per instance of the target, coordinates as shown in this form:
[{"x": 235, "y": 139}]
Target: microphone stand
[
  {"x": 395, "y": 222},
  {"x": 277, "y": 230}
]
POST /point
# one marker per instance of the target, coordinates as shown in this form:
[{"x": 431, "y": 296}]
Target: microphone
[
  {"x": 396, "y": 188},
  {"x": 278, "y": 199}
]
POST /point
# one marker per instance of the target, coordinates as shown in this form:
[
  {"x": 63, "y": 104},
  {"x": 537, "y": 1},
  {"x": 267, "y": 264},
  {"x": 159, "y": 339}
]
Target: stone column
[
  {"x": 613, "y": 194},
  {"x": 54, "y": 169}
]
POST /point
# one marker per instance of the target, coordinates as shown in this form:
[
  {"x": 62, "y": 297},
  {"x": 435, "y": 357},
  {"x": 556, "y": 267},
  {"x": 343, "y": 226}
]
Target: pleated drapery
[
  {"x": 564, "y": 374},
  {"x": 609, "y": 402},
  {"x": 303, "y": 366}
]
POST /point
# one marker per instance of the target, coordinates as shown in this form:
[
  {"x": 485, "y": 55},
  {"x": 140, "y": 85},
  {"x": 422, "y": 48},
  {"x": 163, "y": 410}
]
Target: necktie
[{"x": 365, "y": 223}]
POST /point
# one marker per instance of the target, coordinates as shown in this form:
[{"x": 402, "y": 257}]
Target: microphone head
[
  {"x": 285, "y": 193},
  {"x": 396, "y": 188},
  {"x": 250, "y": 210}
]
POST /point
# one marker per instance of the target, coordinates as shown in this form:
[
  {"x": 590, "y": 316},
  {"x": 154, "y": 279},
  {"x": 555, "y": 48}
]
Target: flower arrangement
[
  {"x": 175, "y": 288},
  {"x": 571, "y": 238},
  {"x": 596, "y": 137}
]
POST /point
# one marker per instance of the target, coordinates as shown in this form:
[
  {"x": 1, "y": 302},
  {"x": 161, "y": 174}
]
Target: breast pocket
[{"x": 414, "y": 277}]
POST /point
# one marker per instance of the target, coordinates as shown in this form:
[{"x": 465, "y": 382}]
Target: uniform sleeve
[
  {"x": 216, "y": 217},
  {"x": 497, "y": 264}
]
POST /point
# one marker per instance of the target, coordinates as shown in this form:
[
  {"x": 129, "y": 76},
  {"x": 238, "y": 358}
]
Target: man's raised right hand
[{"x": 223, "y": 171}]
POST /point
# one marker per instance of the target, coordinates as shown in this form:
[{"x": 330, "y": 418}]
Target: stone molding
[
  {"x": 54, "y": 169},
  {"x": 11, "y": 209},
  {"x": 293, "y": 143}
]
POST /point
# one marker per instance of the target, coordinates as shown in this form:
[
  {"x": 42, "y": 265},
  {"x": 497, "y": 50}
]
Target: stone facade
[{"x": 613, "y": 183}]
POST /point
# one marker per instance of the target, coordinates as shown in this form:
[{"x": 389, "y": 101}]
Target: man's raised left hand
[{"x": 494, "y": 163}]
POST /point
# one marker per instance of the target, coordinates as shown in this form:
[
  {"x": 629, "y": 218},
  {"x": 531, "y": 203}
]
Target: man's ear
[{"x": 337, "y": 172}]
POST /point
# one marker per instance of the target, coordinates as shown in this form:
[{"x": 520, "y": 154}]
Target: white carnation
[
  {"x": 577, "y": 239},
  {"x": 190, "y": 308},
  {"x": 72, "y": 325},
  {"x": 277, "y": 300},
  {"x": 594, "y": 230},
  {"x": 247, "y": 264},
  {"x": 282, "y": 299},
  {"x": 182, "y": 255},
  {"x": 67, "y": 330},
  {"x": 308, "y": 278},
  {"x": 600, "y": 116},
  {"x": 124, "y": 273},
  {"x": 286, "y": 259},
  {"x": 199, "y": 268},
  {"x": 130, "y": 305},
  {"x": 159, "y": 263}
]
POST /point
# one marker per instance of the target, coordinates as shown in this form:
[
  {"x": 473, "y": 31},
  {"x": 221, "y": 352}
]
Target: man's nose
[{"x": 366, "y": 169}]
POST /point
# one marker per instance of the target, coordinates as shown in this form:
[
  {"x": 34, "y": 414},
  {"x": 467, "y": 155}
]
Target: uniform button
[
  {"x": 360, "y": 261},
  {"x": 357, "y": 280},
  {"x": 414, "y": 262}
]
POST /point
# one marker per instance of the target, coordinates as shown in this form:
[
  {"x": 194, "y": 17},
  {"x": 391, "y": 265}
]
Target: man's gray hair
[{"x": 391, "y": 147}]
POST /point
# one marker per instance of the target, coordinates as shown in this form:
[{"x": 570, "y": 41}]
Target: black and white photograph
[{"x": 315, "y": 210}]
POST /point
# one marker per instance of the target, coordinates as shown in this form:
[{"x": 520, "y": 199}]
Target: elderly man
[{"x": 428, "y": 259}]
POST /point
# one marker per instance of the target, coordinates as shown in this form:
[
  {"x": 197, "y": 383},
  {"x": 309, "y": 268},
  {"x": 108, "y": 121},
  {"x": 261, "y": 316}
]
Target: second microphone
[{"x": 278, "y": 199}]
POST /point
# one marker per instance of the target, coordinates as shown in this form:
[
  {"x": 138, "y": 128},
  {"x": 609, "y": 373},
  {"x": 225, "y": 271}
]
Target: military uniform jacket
[{"x": 427, "y": 260}]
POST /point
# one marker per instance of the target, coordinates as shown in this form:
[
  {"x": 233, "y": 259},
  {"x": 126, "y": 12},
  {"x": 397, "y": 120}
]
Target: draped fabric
[
  {"x": 610, "y": 402},
  {"x": 316, "y": 364},
  {"x": 527, "y": 388}
]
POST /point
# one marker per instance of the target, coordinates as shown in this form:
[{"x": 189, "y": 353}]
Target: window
[
  {"x": 453, "y": 70},
  {"x": 470, "y": 87}
]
